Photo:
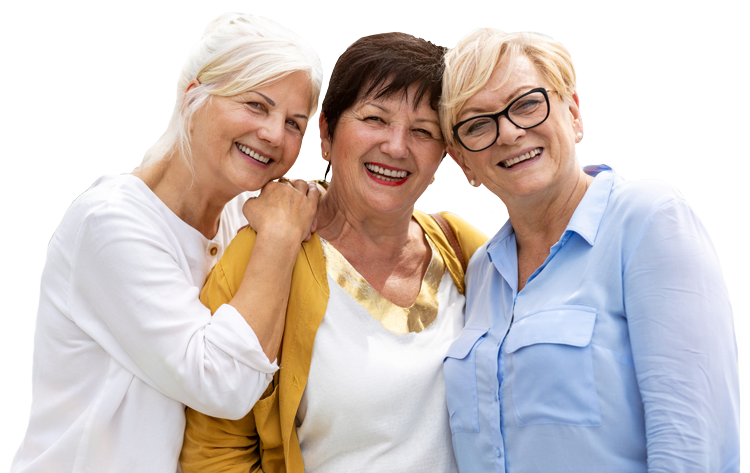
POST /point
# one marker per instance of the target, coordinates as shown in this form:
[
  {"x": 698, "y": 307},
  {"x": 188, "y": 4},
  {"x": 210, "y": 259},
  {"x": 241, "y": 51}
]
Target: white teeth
[
  {"x": 253, "y": 154},
  {"x": 510, "y": 162},
  {"x": 386, "y": 174}
]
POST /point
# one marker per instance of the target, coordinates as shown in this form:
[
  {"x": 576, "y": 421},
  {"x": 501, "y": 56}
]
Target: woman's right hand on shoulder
[{"x": 284, "y": 210}]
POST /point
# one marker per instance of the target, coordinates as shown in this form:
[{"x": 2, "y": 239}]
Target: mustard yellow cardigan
[{"x": 266, "y": 438}]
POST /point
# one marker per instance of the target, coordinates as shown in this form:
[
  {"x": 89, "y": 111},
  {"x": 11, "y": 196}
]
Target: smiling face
[
  {"x": 384, "y": 153},
  {"x": 241, "y": 142},
  {"x": 522, "y": 163}
]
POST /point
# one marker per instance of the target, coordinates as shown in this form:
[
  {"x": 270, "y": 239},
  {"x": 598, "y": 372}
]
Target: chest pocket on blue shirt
[
  {"x": 552, "y": 374},
  {"x": 459, "y": 371}
]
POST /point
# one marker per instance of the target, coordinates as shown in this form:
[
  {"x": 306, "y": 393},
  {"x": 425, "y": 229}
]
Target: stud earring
[
  {"x": 325, "y": 154},
  {"x": 579, "y": 135},
  {"x": 473, "y": 182}
]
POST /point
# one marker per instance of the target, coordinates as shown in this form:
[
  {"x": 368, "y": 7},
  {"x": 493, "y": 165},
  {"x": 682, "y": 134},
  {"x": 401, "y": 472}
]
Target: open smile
[
  {"x": 387, "y": 175},
  {"x": 253, "y": 154},
  {"x": 510, "y": 162}
]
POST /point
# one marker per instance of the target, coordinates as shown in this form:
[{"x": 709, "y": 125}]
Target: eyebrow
[
  {"x": 514, "y": 95},
  {"x": 428, "y": 120},
  {"x": 268, "y": 99},
  {"x": 273, "y": 104},
  {"x": 376, "y": 105}
]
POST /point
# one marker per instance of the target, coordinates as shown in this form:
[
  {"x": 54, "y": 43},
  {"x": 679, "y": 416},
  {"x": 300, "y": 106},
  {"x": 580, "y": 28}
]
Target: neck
[
  {"x": 543, "y": 218},
  {"x": 344, "y": 225},
  {"x": 172, "y": 180}
]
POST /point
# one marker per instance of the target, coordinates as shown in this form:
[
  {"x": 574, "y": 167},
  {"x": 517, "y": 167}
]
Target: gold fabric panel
[{"x": 395, "y": 319}]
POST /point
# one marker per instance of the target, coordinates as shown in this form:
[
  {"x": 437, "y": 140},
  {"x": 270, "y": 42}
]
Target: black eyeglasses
[{"x": 527, "y": 111}]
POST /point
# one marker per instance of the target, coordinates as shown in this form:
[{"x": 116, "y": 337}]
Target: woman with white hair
[{"x": 122, "y": 341}]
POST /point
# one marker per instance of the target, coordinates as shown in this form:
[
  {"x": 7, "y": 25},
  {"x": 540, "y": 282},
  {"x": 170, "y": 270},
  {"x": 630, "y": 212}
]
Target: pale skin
[
  {"x": 368, "y": 221},
  {"x": 271, "y": 121},
  {"x": 542, "y": 193}
]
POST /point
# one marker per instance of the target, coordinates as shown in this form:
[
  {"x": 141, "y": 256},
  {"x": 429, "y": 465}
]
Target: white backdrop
[{"x": 87, "y": 87}]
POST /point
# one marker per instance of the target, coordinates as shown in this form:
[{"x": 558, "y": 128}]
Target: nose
[
  {"x": 272, "y": 131},
  {"x": 395, "y": 143},
  {"x": 508, "y": 133}
]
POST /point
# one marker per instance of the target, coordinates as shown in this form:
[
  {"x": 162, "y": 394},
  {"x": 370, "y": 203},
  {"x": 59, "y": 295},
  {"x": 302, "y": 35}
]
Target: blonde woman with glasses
[{"x": 599, "y": 333}]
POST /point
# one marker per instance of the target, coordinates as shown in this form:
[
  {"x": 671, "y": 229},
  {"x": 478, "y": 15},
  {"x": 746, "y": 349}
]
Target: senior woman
[
  {"x": 376, "y": 294},
  {"x": 123, "y": 342},
  {"x": 599, "y": 334}
]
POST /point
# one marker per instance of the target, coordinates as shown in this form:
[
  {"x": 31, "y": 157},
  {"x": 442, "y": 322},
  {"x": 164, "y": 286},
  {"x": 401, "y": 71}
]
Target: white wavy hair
[{"x": 237, "y": 52}]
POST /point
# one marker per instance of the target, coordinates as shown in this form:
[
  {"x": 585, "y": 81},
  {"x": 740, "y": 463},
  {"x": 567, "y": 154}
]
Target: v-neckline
[{"x": 396, "y": 319}]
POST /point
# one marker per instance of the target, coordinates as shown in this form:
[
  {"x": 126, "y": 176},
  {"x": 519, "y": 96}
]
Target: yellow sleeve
[
  {"x": 213, "y": 445},
  {"x": 218, "y": 445},
  {"x": 469, "y": 237}
]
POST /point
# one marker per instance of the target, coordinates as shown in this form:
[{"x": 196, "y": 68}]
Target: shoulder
[
  {"x": 647, "y": 212},
  {"x": 642, "y": 197},
  {"x": 479, "y": 264},
  {"x": 469, "y": 237},
  {"x": 115, "y": 195},
  {"x": 112, "y": 205}
]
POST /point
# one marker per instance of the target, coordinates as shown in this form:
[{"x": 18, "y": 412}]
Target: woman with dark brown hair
[{"x": 377, "y": 293}]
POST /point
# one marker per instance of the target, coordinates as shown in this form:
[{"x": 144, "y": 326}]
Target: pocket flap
[
  {"x": 572, "y": 326},
  {"x": 461, "y": 346}
]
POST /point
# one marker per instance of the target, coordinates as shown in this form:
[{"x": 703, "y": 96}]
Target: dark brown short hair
[{"x": 384, "y": 64}]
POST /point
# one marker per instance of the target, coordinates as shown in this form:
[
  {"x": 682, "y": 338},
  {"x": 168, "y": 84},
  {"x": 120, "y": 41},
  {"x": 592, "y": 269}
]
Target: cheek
[{"x": 477, "y": 162}]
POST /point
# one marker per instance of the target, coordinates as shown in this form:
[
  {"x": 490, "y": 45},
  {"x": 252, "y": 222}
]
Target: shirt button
[
  {"x": 213, "y": 251},
  {"x": 497, "y": 452}
]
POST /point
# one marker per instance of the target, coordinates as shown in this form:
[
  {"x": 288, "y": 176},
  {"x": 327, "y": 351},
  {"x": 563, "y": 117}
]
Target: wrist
[{"x": 279, "y": 240}]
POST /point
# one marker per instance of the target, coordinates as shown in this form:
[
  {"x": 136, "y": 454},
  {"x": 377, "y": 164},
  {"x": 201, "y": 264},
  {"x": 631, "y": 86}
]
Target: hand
[{"x": 284, "y": 210}]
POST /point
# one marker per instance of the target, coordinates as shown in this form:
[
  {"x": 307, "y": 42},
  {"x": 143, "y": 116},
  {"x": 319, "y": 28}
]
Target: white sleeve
[{"x": 129, "y": 292}]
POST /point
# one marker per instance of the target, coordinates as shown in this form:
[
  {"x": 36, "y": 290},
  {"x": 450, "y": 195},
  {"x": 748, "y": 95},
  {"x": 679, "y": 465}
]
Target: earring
[
  {"x": 433, "y": 179},
  {"x": 579, "y": 135},
  {"x": 473, "y": 182},
  {"x": 325, "y": 154}
]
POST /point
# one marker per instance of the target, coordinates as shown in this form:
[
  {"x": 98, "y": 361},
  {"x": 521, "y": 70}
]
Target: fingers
[
  {"x": 313, "y": 227},
  {"x": 313, "y": 191},
  {"x": 284, "y": 208}
]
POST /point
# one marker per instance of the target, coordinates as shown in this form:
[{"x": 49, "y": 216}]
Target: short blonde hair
[
  {"x": 237, "y": 52},
  {"x": 469, "y": 66}
]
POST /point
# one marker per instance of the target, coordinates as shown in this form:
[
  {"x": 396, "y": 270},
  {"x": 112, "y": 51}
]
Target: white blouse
[
  {"x": 375, "y": 397},
  {"x": 122, "y": 341}
]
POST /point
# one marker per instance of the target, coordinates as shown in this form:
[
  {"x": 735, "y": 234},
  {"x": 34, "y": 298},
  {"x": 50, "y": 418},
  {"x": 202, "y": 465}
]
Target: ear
[
  {"x": 325, "y": 140},
  {"x": 191, "y": 84},
  {"x": 575, "y": 111},
  {"x": 459, "y": 159}
]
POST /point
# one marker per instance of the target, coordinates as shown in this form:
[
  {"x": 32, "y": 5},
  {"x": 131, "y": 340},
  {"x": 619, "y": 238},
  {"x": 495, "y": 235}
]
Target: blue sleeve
[{"x": 684, "y": 349}]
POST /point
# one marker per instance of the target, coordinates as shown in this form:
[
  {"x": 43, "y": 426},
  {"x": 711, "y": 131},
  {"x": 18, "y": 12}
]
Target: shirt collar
[
  {"x": 585, "y": 220},
  {"x": 588, "y": 215},
  {"x": 501, "y": 251}
]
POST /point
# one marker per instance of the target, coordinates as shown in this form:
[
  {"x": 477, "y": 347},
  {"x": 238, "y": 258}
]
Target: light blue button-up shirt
[{"x": 618, "y": 355}]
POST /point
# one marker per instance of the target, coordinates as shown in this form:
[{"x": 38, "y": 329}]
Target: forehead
[
  {"x": 396, "y": 99},
  {"x": 507, "y": 81}
]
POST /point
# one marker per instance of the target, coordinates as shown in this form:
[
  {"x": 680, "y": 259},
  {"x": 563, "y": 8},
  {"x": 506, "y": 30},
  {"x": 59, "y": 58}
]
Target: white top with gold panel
[{"x": 375, "y": 397}]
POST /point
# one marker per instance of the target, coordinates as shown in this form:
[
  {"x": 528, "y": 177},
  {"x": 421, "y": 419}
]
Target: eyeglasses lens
[{"x": 525, "y": 112}]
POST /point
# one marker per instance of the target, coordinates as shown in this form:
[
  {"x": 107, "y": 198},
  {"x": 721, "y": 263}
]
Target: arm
[
  {"x": 252, "y": 443},
  {"x": 132, "y": 292},
  {"x": 282, "y": 216},
  {"x": 682, "y": 338}
]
